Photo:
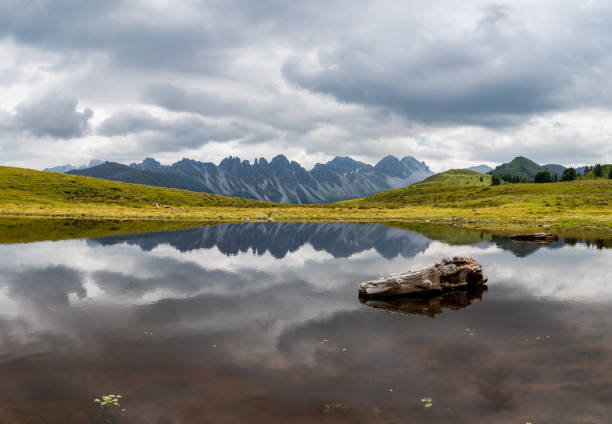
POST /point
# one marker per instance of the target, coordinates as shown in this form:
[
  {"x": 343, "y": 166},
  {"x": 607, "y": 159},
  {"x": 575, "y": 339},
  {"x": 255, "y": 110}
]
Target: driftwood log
[
  {"x": 449, "y": 274},
  {"x": 428, "y": 305},
  {"x": 537, "y": 237}
]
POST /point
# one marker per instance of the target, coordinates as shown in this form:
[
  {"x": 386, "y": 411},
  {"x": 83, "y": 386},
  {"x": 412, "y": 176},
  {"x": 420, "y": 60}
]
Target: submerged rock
[
  {"x": 537, "y": 237},
  {"x": 449, "y": 274}
]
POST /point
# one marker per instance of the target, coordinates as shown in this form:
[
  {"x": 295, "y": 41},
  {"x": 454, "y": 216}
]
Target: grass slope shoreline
[{"x": 457, "y": 197}]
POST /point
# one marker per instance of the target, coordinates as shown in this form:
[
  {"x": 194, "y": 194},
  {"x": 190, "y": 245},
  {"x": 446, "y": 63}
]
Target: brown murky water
[{"x": 261, "y": 323}]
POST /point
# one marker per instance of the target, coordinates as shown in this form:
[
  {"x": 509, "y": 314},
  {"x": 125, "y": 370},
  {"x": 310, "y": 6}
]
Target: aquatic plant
[{"x": 110, "y": 408}]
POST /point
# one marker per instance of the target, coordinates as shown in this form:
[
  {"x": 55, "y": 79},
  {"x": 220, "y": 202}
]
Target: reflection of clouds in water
[
  {"x": 46, "y": 288},
  {"x": 568, "y": 273},
  {"x": 298, "y": 321}
]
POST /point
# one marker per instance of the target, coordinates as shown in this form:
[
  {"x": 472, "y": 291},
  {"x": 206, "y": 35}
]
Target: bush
[{"x": 543, "y": 177}]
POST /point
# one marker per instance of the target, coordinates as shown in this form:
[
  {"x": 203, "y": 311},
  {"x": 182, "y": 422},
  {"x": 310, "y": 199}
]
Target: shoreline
[{"x": 20, "y": 228}]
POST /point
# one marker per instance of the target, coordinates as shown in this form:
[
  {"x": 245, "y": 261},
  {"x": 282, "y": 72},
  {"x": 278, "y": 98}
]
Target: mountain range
[
  {"x": 278, "y": 180},
  {"x": 526, "y": 168}
]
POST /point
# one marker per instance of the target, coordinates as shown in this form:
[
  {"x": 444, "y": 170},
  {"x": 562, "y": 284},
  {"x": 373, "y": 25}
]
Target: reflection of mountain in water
[
  {"x": 428, "y": 305},
  {"x": 340, "y": 240},
  {"x": 524, "y": 248}
]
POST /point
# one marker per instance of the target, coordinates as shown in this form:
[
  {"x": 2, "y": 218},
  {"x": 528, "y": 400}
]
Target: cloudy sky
[{"x": 123, "y": 80}]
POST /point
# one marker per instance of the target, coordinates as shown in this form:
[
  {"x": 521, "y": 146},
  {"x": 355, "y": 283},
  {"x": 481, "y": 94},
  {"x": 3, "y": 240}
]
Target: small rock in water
[{"x": 538, "y": 237}]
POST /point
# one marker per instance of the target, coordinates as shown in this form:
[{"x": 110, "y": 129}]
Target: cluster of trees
[
  {"x": 496, "y": 179},
  {"x": 544, "y": 177},
  {"x": 569, "y": 174},
  {"x": 598, "y": 171}
]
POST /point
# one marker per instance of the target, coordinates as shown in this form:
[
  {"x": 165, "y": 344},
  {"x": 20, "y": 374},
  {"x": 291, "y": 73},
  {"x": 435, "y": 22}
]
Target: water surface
[{"x": 260, "y": 323}]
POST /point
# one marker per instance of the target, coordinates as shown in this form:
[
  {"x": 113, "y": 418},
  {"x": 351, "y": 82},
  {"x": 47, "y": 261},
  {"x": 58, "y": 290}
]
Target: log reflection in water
[{"x": 428, "y": 305}]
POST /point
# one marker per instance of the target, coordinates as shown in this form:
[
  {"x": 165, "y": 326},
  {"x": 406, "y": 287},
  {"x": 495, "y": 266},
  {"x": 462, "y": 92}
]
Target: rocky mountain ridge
[{"x": 278, "y": 180}]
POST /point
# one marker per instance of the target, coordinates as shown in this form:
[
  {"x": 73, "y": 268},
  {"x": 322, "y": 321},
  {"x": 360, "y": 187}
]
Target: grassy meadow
[{"x": 456, "y": 197}]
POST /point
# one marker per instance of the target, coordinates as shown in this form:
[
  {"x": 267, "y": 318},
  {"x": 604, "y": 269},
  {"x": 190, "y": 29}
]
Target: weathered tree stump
[
  {"x": 537, "y": 237},
  {"x": 449, "y": 274}
]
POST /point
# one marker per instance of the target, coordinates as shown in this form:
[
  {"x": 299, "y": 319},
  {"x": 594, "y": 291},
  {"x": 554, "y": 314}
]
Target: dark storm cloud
[
  {"x": 493, "y": 74},
  {"x": 122, "y": 29},
  {"x": 166, "y": 135},
  {"x": 129, "y": 122},
  {"x": 282, "y": 113},
  {"x": 202, "y": 102},
  {"x": 54, "y": 115}
]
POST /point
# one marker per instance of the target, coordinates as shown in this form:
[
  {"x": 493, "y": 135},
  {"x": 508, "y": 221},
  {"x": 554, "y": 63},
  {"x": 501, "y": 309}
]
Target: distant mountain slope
[
  {"x": 118, "y": 172},
  {"x": 278, "y": 180},
  {"x": 526, "y": 168},
  {"x": 483, "y": 169},
  {"x": 555, "y": 169},
  {"x": 68, "y": 167}
]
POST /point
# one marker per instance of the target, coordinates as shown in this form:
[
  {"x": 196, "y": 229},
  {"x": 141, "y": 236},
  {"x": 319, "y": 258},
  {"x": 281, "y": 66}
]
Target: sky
[{"x": 452, "y": 86}]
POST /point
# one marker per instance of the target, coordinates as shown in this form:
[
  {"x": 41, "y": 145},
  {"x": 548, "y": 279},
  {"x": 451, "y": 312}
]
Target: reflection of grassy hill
[
  {"x": 20, "y": 230},
  {"x": 447, "y": 233}
]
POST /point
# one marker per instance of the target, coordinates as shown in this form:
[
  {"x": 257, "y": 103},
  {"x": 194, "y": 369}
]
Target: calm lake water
[{"x": 261, "y": 323}]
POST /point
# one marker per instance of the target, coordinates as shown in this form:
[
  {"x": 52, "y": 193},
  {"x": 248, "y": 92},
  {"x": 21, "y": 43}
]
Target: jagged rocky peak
[
  {"x": 150, "y": 163},
  {"x": 279, "y": 161},
  {"x": 346, "y": 164},
  {"x": 390, "y": 165},
  {"x": 147, "y": 164},
  {"x": 230, "y": 162},
  {"x": 393, "y": 167},
  {"x": 411, "y": 161}
]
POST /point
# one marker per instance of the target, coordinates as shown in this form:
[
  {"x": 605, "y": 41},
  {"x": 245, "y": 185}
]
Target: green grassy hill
[
  {"x": 24, "y": 190},
  {"x": 526, "y": 168},
  {"x": 441, "y": 187},
  {"x": 463, "y": 189}
]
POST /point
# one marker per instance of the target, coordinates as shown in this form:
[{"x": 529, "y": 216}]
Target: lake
[{"x": 261, "y": 323}]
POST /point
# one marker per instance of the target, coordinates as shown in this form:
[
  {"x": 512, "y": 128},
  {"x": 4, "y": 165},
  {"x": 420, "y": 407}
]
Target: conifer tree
[
  {"x": 568, "y": 175},
  {"x": 598, "y": 171}
]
